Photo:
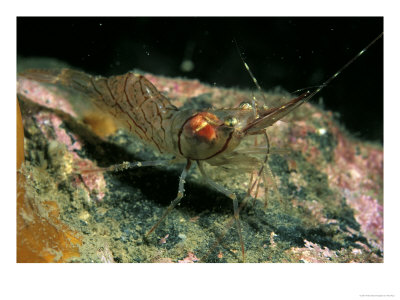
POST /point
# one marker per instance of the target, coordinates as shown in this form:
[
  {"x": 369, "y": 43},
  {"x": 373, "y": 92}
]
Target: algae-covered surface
[{"x": 330, "y": 184}]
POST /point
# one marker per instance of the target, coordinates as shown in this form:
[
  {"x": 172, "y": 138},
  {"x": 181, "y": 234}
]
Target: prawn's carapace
[
  {"x": 208, "y": 136},
  {"x": 204, "y": 135},
  {"x": 202, "y": 126}
]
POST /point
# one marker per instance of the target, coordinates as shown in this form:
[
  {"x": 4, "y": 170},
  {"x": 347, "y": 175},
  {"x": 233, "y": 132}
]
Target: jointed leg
[
  {"x": 181, "y": 191},
  {"x": 127, "y": 165},
  {"x": 234, "y": 199},
  {"x": 261, "y": 176}
]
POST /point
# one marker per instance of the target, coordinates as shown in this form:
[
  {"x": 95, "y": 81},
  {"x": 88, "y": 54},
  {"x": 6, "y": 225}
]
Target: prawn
[{"x": 210, "y": 136}]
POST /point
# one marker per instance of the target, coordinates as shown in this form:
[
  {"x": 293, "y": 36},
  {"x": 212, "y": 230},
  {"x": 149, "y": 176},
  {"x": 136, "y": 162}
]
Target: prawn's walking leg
[
  {"x": 231, "y": 195},
  {"x": 181, "y": 191},
  {"x": 128, "y": 165}
]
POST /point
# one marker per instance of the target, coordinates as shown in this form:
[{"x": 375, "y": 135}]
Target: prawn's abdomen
[
  {"x": 137, "y": 106},
  {"x": 130, "y": 101}
]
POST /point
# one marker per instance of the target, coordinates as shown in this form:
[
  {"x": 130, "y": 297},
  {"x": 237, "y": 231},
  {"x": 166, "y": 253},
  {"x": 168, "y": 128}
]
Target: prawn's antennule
[
  {"x": 248, "y": 68},
  {"x": 252, "y": 77},
  {"x": 327, "y": 82},
  {"x": 270, "y": 116}
]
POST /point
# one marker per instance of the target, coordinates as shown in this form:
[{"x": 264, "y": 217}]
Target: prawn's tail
[
  {"x": 49, "y": 76},
  {"x": 67, "y": 78},
  {"x": 42, "y": 87}
]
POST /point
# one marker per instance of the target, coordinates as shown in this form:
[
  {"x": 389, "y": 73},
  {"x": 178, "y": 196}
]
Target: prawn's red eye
[{"x": 203, "y": 125}]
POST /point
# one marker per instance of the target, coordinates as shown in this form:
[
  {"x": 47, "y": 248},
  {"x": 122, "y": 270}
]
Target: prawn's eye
[
  {"x": 245, "y": 105},
  {"x": 231, "y": 121}
]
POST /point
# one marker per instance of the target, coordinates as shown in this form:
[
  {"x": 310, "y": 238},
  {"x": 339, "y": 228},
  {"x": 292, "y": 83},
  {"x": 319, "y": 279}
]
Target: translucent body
[{"x": 136, "y": 105}]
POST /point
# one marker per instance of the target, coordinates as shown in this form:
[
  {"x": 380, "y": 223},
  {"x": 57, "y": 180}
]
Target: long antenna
[
  {"x": 320, "y": 87},
  {"x": 342, "y": 68}
]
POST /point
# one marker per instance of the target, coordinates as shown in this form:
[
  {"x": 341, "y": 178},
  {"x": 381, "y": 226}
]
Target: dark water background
[{"x": 292, "y": 53}]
